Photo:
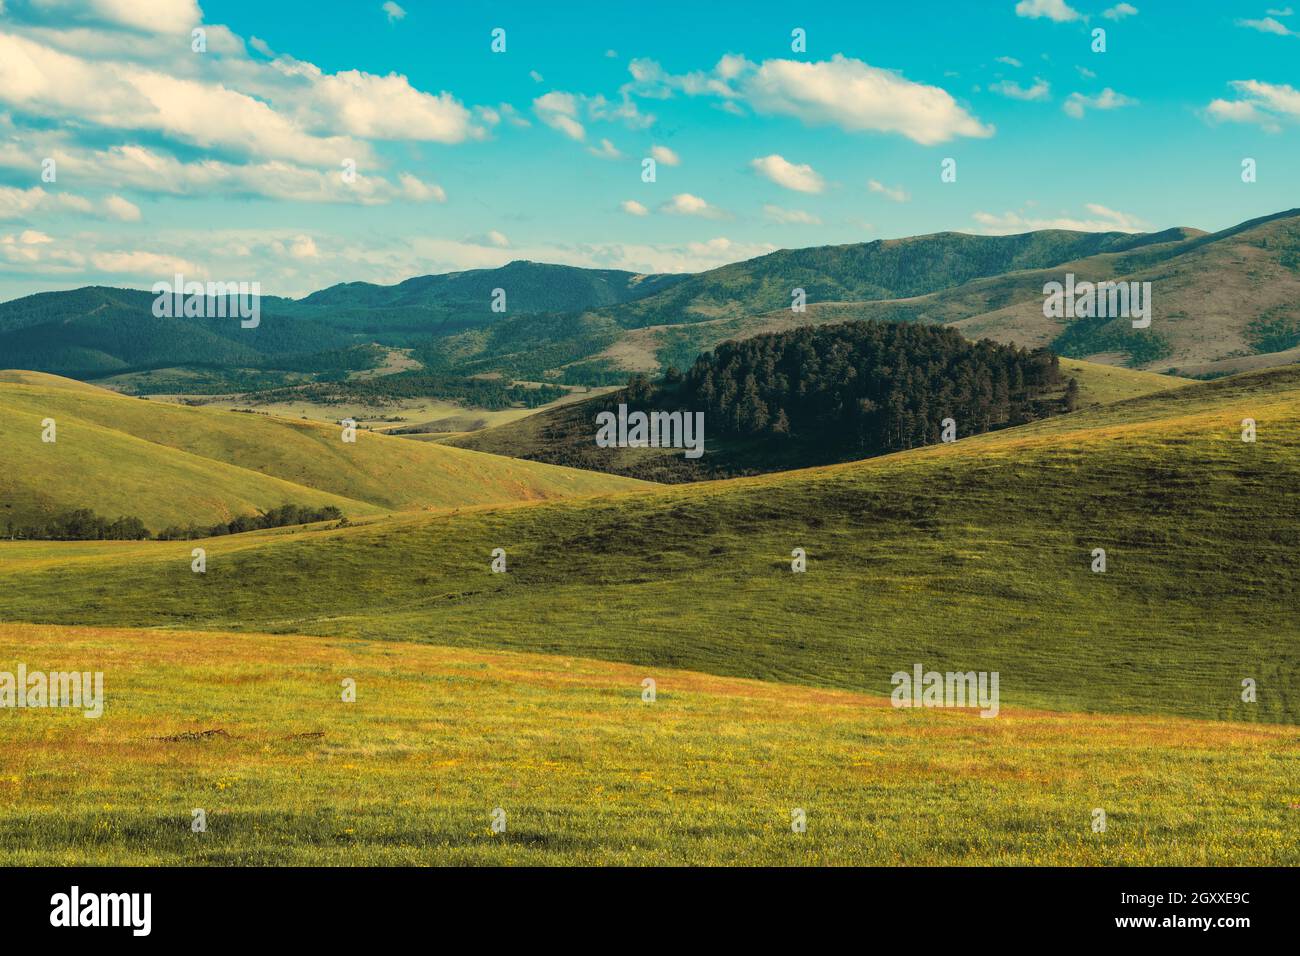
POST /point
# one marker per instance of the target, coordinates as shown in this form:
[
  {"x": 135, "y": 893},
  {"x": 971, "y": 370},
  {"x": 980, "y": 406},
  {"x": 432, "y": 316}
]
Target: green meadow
[
  {"x": 587, "y": 772},
  {"x": 522, "y": 690}
]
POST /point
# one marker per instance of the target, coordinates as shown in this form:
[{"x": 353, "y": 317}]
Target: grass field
[
  {"x": 475, "y": 690},
  {"x": 971, "y": 556},
  {"x": 588, "y": 773},
  {"x": 168, "y": 464}
]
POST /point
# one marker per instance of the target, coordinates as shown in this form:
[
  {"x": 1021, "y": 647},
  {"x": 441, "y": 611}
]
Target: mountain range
[{"x": 1223, "y": 302}]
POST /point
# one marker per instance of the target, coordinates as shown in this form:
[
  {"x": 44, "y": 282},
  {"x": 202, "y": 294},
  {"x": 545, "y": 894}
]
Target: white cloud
[
  {"x": 1057, "y": 10},
  {"x": 1103, "y": 220},
  {"x": 141, "y": 169},
  {"x": 376, "y": 107},
  {"x": 137, "y": 263},
  {"x": 1265, "y": 104},
  {"x": 1086, "y": 73},
  {"x": 857, "y": 97},
  {"x": 897, "y": 194},
  {"x": 684, "y": 204},
  {"x": 1041, "y": 89},
  {"x": 38, "y": 79},
  {"x": 1120, "y": 11},
  {"x": 123, "y": 209},
  {"x": 606, "y": 150},
  {"x": 394, "y": 12},
  {"x": 1010, "y": 61},
  {"x": 147, "y": 16},
  {"x": 840, "y": 91},
  {"x": 559, "y": 110},
  {"x": 665, "y": 156},
  {"x": 633, "y": 208},
  {"x": 304, "y": 247},
  {"x": 799, "y": 177},
  {"x": 1268, "y": 25},
  {"x": 16, "y": 203},
  {"x": 790, "y": 216},
  {"x": 1107, "y": 99}
]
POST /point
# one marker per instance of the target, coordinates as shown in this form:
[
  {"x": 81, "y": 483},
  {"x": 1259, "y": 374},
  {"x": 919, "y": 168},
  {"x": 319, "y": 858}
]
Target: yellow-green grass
[
  {"x": 969, "y": 556},
  {"x": 172, "y": 465},
  {"x": 20, "y": 376},
  {"x": 1102, "y": 384},
  {"x": 589, "y": 773}
]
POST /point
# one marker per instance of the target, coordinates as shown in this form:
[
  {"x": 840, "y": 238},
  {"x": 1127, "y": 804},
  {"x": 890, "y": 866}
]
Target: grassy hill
[
  {"x": 587, "y": 773},
  {"x": 968, "y": 556},
  {"x": 565, "y": 435},
  {"x": 169, "y": 464}
]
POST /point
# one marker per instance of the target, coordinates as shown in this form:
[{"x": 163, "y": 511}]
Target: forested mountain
[{"x": 530, "y": 287}]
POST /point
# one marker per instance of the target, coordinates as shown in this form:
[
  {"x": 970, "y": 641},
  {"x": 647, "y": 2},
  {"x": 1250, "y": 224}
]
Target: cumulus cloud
[
  {"x": 145, "y": 16},
  {"x": 138, "y": 263},
  {"x": 41, "y": 80},
  {"x": 799, "y": 177},
  {"x": 1077, "y": 104},
  {"x": 896, "y": 194},
  {"x": 606, "y": 150},
  {"x": 1120, "y": 11},
  {"x": 394, "y": 12},
  {"x": 665, "y": 156},
  {"x": 790, "y": 216},
  {"x": 633, "y": 208},
  {"x": 1264, "y": 104},
  {"x": 122, "y": 209},
  {"x": 1057, "y": 10},
  {"x": 841, "y": 91},
  {"x": 684, "y": 204},
  {"x": 1041, "y": 89},
  {"x": 146, "y": 170},
  {"x": 1102, "y": 219},
  {"x": 375, "y": 107},
  {"x": 559, "y": 110},
  {"x": 1010, "y": 61},
  {"x": 16, "y": 203}
]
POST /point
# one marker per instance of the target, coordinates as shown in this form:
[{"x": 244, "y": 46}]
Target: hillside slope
[
  {"x": 171, "y": 464},
  {"x": 969, "y": 556},
  {"x": 1222, "y": 303}
]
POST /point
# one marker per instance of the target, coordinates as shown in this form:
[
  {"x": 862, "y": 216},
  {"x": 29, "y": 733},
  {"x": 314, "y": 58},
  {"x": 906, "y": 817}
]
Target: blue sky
[{"x": 228, "y": 163}]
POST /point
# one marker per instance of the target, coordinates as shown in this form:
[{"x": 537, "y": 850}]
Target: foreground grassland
[
  {"x": 587, "y": 772},
  {"x": 168, "y": 464},
  {"x": 971, "y": 556}
]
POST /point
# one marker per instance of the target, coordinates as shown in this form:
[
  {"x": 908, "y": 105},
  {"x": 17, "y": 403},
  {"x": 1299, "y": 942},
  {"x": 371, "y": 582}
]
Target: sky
[{"x": 302, "y": 144}]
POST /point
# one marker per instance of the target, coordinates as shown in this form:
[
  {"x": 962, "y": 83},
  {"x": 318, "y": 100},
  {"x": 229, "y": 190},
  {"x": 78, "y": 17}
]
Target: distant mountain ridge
[{"x": 1225, "y": 301}]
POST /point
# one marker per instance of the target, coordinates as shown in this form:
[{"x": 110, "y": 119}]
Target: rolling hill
[
  {"x": 967, "y": 556},
  {"x": 169, "y": 464}
]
